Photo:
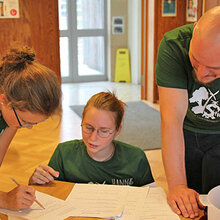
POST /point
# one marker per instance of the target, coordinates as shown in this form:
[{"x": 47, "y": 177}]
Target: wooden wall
[
  {"x": 165, "y": 24},
  {"x": 37, "y": 27},
  {"x": 144, "y": 48},
  {"x": 211, "y": 3}
]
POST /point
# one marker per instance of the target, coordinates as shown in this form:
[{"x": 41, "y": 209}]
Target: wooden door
[
  {"x": 161, "y": 26},
  {"x": 144, "y": 48},
  {"x": 165, "y": 24},
  {"x": 210, "y": 4}
]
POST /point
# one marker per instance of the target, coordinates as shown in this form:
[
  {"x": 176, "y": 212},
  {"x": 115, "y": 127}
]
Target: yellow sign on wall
[{"x": 122, "y": 66}]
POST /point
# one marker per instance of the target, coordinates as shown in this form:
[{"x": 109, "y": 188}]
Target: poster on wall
[
  {"x": 191, "y": 10},
  {"x": 9, "y": 9},
  {"x": 117, "y": 25},
  {"x": 169, "y": 8}
]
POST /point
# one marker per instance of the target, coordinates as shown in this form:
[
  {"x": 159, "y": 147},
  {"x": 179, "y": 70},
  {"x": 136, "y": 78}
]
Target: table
[{"x": 61, "y": 190}]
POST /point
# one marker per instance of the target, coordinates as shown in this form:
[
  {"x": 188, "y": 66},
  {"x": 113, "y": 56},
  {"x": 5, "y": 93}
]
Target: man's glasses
[
  {"x": 88, "y": 129},
  {"x": 23, "y": 125}
]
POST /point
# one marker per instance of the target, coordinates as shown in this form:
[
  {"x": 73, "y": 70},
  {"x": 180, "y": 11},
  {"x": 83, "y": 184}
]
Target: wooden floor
[{"x": 32, "y": 147}]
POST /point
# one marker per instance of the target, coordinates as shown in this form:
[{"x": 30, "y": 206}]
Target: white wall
[
  {"x": 134, "y": 39},
  {"x": 134, "y": 43},
  {"x": 117, "y": 8}
]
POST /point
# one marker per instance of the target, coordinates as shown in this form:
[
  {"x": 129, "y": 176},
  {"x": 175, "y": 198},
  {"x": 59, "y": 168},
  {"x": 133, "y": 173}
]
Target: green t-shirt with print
[
  {"x": 128, "y": 166},
  {"x": 174, "y": 70}
]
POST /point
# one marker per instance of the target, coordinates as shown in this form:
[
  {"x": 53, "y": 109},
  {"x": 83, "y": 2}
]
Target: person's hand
[
  {"x": 184, "y": 201},
  {"x": 43, "y": 174},
  {"x": 21, "y": 197}
]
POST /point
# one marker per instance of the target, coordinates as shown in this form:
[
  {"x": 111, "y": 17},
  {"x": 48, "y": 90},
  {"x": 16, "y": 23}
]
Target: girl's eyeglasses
[
  {"x": 24, "y": 125},
  {"x": 88, "y": 129}
]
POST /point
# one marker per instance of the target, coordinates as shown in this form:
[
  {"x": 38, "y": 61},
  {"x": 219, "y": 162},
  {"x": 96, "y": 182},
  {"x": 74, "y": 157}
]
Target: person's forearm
[
  {"x": 5, "y": 140},
  {"x": 173, "y": 152}
]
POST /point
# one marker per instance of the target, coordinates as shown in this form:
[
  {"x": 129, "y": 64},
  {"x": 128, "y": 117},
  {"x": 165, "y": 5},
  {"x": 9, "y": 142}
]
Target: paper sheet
[
  {"x": 104, "y": 201},
  {"x": 155, "y": 206},
  {"x": 204, "y": 199},
  {"x": 85, "y": 200},
  {"x": 135, "y": 198},
  {"x": 55, "y": 209},
  {"x": 148, "y": 203},
  {"x": 95, "y": 200}
]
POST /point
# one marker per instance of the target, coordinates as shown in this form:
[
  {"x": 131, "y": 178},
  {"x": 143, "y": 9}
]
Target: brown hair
[
  {"x": 109, "y": 102},
  {"x": 27, "y": 84}
]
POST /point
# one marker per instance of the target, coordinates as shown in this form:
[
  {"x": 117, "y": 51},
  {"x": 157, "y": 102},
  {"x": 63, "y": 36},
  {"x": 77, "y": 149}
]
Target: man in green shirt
[{"x": 187, "y": 74}]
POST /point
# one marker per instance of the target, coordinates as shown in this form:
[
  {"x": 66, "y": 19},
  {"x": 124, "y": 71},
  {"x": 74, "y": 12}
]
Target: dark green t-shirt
[
  {"x": 128, "y": 166},
  {"x": 3, "y": 124},
  {"x": 174, "y": 70}
]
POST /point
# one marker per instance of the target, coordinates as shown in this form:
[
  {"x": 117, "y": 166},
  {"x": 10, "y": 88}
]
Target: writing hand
[
  {"x": 21, "y": 197},
  {"x": 184, "y": 201},
  {"x": 43, "y": 174}
]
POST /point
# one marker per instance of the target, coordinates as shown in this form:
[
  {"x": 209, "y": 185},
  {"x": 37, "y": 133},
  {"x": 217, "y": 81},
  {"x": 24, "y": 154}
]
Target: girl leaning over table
[{"x": 29, "y": 94}]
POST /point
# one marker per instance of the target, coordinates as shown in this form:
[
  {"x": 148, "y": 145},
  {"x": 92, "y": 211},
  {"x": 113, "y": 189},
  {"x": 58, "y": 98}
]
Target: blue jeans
[{"x": 202, "y": 158}]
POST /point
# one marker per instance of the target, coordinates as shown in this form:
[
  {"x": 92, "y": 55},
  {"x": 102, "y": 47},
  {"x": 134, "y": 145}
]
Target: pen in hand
[{"x": 34, "y": 200}]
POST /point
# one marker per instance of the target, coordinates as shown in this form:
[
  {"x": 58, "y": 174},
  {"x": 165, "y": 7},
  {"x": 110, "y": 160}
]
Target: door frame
[{"x": 144, "y": 49}]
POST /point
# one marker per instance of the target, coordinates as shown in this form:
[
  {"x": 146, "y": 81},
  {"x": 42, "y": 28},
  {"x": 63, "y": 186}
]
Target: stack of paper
[
  {"x": 94, "y": 200},
  {"x": 103, "y": 201}
]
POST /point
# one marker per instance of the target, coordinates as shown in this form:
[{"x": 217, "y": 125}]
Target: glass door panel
[
  {"x": 91, "y": 56},
  {"x": 63, "y": 14},
  {"x": 83, "y": 40},
  {"x": 90, "y": 14},
  {"x": 64, "y": 56}
]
